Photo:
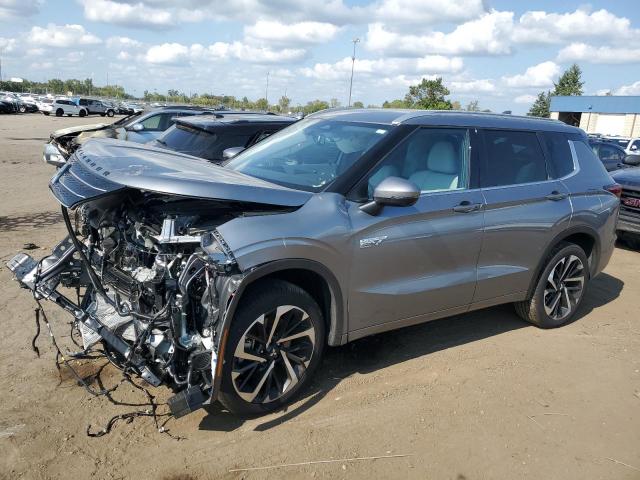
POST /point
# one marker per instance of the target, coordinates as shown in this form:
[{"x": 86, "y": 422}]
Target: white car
[
  {"x": 633, "y": 147},
  {"x": 60, "y": 107}
]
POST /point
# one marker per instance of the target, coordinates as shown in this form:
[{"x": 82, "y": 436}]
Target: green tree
[
  {"x": 570, "y": 82},
  {"x": 334, "y": 103},
  {"x": 262, "y": 104},
  {"x": 283, "y": 103},
  {"x": 540, "y": 107},
  {"x": 397, "y": 103},
  {"x": 428, "y": 95},
  {"x": 456, "y": 105},
  {"x": 315, "y": 106},
  {"x": 358, "y": 105}
]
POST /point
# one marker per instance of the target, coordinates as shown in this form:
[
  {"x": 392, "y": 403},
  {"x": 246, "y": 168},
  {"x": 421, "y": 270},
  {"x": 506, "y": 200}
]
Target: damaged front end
[{"x": 154, "y": 278}]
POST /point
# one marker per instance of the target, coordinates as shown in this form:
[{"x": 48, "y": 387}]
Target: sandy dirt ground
[{"x": 478, "y": 396}]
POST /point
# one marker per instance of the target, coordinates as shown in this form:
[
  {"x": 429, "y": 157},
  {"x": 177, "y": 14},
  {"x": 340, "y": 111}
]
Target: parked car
[
  {"x": 20, "y": 104},
  {"x": 629, "y": 219},
  {"x": 96, "y": 107},
  {"x": 231, "y": 280},
  {"x": 141, "y": 127},
  {"x": 633, "y": 146},
  {"x": 10, "y": 99},
  {"x": 219, "y": 137},
  {"x": 60, "y": 107},
  {"x": 7, "y": 106},
  {"x": 611, "y": 155}
]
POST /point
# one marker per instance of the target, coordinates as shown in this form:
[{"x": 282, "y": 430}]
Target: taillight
[{"x": 614, "y": 188}]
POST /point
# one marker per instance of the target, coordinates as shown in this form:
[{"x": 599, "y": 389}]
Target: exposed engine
[{"x": 152, "y": 294}]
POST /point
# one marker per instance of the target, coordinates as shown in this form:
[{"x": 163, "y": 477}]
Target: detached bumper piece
[{"x": 43, "y": 277}]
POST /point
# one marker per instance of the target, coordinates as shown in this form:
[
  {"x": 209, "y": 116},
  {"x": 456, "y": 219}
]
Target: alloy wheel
[
  {"x": 564, "y": 287},
  {"x": 273, "y": 354}
]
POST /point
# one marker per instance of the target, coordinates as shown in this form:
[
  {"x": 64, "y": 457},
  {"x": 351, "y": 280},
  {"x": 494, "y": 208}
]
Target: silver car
[{"x": 227, "y": 282}]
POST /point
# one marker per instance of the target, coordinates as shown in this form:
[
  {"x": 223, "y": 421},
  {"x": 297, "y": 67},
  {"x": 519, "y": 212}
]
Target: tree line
[{"x": 426, "y": 95}]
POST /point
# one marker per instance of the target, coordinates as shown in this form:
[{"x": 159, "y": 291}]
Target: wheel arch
[
  {"x": 583, "y": 236},
  {"x": 311, "y": 276}
]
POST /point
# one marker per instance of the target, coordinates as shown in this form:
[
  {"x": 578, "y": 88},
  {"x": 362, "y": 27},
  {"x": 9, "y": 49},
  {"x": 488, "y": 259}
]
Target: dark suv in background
[
  {"x": 227, "y": 282},
  {"x": 220, "y": 136}
]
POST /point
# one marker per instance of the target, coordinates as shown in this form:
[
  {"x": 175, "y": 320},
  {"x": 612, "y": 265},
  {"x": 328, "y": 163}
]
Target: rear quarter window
[{"x": 559, "y": 154}]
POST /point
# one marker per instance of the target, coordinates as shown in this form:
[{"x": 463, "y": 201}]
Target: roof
[
  {"x": 223, "y": 119},
  {"x": 445, "y": 118},
  {"x": 596, "y": 104}
]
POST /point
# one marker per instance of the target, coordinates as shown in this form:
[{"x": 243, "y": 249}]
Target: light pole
[
  {"x": 353, "y": 63},
  {"x": 266, "y": 91}
]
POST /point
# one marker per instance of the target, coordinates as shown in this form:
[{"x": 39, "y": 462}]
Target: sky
[{"x": 501, "y": 53}]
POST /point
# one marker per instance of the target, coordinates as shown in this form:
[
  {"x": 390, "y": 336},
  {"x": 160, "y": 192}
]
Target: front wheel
[
  {"x": 110, "y": 113},
  {"x": 59, "y": 112},
  {"x": 82, "y": 113},
  {"x": 22, "y": 109},
  {"x": 559, "y": 290},
  {"x": 275, "y": 343}
]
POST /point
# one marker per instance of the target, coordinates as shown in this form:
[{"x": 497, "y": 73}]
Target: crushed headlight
[{"x": 53, "y": 156}]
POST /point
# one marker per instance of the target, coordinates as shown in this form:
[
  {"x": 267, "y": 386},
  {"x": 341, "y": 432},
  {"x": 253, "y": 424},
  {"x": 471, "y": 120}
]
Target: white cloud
[
  {"x": 425, "y": 66},
  {"x": 61, "y": 36},
  {"x": 541, "y": 75},
  {"x": 425, "y": 12},
  {"x": 13, "y": 9},
  {"x": 127, "y": 14},
  {"x": 176, "y": 54},
  {"x": 543, "y": 27},
  {"x": 525, "y": 99},
  {"x": 279, "y": 33},
  {"x": 472, "y": 86},
  {"x": 581, "y": 52},
  {"x": 487, "y": 35},
  {"x": 633, "y": 89},
  {"x": 42, "y": 65},
  {"x": 122, "y": 42},
  {"x": 8, "y": 45}
]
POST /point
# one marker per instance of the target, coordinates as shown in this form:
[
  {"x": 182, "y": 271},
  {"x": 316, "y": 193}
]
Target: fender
[
  {"x": 230, "y": 299},
  {"x": 557, "y": 239}
]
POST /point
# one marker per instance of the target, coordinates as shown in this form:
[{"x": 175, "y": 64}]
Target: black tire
[
  {"x": 59, "y": 112},
  {"x": 110, "y": 113},
  {"x": 82, "y": 113},
  {"x": 45, "y": 113},
  {"x": 533, "y": 310},
  {"x": 264, "y": 300},
  {"x": 632, "y": 240},
  {"x": 22, "y": 109}
]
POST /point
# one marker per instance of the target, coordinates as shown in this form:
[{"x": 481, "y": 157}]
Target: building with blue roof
[{"x": 606, "y": 115}]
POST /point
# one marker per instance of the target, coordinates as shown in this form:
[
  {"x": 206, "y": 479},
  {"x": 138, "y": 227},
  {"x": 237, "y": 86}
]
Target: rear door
[{"x": 525, "y": 209}]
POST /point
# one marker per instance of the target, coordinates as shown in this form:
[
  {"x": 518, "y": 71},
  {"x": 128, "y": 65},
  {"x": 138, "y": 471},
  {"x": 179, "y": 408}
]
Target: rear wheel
[
  {"x": 82, "y": 113},
  {"x": 110, "y": 113},
  {"x": 59, "y": 112},
  {"x": 275, "y": 344},
  {"x": 559, "y": 290}
]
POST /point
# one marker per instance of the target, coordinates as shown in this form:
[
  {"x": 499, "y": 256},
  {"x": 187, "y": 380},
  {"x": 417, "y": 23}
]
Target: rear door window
[
  {"x": 558, "y": 154},
  {"x": 512, "y": 158}
]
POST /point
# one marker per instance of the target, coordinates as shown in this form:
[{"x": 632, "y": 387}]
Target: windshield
[{"x": 309, "y": 154}]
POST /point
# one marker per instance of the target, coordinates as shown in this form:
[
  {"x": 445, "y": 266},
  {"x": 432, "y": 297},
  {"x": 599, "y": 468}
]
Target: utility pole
[
  {"x": 353, "y": 63},
  {"x": 266, "y": 91},
  {"x": 0, "y": 64}
]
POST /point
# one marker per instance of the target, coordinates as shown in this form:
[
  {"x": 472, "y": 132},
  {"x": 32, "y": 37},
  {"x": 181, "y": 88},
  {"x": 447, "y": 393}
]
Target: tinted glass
[
  {"x": 435, "y": 159},
  {"x": 512, "y": 158},
  {"x": 309, "y": 154},
  {"x": 199, "y": 143},
  {"x": 559, "y": 152},
  {"x": 610, "y": 153},
  {"x": 158, "y": 122}
]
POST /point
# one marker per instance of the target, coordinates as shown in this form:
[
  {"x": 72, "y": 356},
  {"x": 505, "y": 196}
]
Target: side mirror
[
  {"x": 392, "y": 191},
  {"x": 137, "y": 127},
  {"x": 231, "y": 152},
  {"x": 632, "y": 160},
  {"x": 634, "y": 148}
]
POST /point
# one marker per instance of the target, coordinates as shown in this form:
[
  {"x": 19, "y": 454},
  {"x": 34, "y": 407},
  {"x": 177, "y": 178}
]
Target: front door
[{"x": 412, "y": 262}]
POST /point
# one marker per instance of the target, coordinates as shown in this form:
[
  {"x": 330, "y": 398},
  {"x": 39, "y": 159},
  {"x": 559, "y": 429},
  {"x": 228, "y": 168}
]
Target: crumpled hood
[
  {"x": 103, "y": 166},
  {"x": 82, "y": 128}
]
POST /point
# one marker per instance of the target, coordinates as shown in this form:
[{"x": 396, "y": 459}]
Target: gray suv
[{"x": 227, "y": 282}]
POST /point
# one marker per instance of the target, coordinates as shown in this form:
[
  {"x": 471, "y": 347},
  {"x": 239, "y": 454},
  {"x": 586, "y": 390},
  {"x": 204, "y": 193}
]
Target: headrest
[{"x": 442, "y": 158}]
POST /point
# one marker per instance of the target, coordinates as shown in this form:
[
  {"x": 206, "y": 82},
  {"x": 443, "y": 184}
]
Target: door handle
[
  {"x": 467, "y": 207},
  {"x": 556, "y": 196}
]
